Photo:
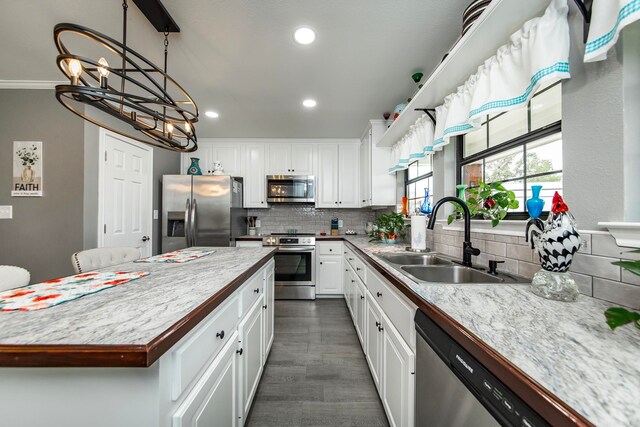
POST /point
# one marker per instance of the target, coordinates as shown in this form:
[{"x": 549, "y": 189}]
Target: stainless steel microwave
[{"x": 291, "y": 189}]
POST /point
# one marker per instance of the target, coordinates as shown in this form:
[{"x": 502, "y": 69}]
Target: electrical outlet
[
  {"x": 155, "y": 214},
  {"x": 340, "y": 223},
  {"x": 6, "y": 212},
  {"x": 584, "y": 245},
  {"x": 258, "y": 223}
]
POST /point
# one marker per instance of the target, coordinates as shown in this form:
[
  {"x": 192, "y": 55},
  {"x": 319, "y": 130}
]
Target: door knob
[
  {"x": 145, "y": 238},
  {"x": 220, "y": 335}
]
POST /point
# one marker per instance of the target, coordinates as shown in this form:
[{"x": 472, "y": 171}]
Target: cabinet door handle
[
  {"x": 239, "y": 352},
  {"x": 293, "y": 170},
  {"x": 336, "y": 203},
  {"x": 264, "y": 306},
  {"x": 380, "y": 329},
  {"x": 256, "y": 290},
  {"x": 379, "y": 294},
  {"x": 363, "y": 201},
  {"x": 361, "y": 296},
  {"x": 358, "y": 269},
  {"x": 377, "y": 324},
  {"x": 353, "y": 281},
  {"x": 220, "y": 334},
  {"x": 320, "y": 262},
  {"x": 350, "y": 259}
]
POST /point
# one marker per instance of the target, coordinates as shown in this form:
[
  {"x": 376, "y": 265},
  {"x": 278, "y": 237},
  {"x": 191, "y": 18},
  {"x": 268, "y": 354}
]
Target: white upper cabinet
[
  {"x": 338, "y": 176},
  {"x": 327, "y": 182},
  {"x": 378, "y": 186},
  {"x": 291, "y": 159},
  {"x": 230, "y": 154},
  {"x": 349, "y": 176},
  {"x": 255, "y": 182}
]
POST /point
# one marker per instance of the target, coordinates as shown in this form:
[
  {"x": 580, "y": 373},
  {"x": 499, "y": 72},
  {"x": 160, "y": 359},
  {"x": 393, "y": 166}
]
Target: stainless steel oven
[
  {"x": 290, "y": 189},
  {"x": 294, "y": 266}
]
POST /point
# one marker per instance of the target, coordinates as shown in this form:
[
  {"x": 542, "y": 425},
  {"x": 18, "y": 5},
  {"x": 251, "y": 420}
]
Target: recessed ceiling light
[
  {"x": 304, "y": 35},
  {"x": 212, "y": 114},
  {"x": 309, "y": 103}
]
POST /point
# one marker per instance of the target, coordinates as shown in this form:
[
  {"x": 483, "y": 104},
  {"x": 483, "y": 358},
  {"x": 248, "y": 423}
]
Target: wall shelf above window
[{"x": 494, "y": 27}]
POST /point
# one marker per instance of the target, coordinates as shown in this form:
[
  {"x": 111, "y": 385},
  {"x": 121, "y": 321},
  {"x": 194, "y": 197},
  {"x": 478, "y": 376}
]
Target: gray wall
[
  {"x": 631, "y": 94},
  {"x": 44, "y": 231}
]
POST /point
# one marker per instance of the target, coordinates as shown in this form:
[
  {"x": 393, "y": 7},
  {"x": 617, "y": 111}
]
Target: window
[
  {"x": 521, "y": 148},
  {"x": 419, "y": 176}
]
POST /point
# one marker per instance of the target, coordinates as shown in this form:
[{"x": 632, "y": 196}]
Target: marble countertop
[
  {"x": 565, "y": 347},
  {"x": 134, "y": 313}
]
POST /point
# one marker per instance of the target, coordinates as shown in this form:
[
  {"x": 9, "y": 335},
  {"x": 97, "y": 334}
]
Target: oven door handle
[{"x": 297, "y": 249}]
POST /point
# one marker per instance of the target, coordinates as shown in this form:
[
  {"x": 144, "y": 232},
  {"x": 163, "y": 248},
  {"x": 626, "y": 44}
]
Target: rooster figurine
[{"x": 556, "y": 241}]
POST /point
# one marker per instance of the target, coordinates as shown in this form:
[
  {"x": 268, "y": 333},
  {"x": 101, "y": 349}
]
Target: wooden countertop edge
[
  {"x": 545, "y": 403},
  {"x": 123, "y": 356}
]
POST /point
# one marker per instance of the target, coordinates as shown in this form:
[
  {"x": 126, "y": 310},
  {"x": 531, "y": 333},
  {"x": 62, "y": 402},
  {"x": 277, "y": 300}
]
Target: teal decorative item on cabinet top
[{"x": 194, "y": 168}]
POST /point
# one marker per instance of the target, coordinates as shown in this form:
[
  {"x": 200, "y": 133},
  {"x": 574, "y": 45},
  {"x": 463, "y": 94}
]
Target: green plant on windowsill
[
  {"x": 488, "y": 201},
  {"x": 389, "y": 227},
  {"x": 618, "y": 316}
]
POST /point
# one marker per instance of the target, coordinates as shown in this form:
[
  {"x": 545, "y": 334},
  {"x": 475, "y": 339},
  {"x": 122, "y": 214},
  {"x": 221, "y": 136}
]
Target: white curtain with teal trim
[
  {"x": 536, "y": 55},
  {"x": 608, "y": 18},
  {"x": 414, "y": 145}
]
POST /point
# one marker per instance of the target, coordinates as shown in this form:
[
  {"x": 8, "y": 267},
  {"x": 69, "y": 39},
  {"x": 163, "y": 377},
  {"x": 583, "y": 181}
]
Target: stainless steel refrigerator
[{"x": 199, "y": 210}]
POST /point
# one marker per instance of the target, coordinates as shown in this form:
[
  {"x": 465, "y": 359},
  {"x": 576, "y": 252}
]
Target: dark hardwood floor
[{"x": 316, "y": 374}]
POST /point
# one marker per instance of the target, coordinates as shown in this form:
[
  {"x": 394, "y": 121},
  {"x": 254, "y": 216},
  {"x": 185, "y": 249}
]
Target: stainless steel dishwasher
[{"x": 454, "y": 390}]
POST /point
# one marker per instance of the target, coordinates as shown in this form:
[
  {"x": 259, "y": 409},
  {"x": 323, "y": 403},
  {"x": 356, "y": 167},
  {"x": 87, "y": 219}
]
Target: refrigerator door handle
[
  {"x": 187, "y": 227},
  {"x": 194, "y": 223}
]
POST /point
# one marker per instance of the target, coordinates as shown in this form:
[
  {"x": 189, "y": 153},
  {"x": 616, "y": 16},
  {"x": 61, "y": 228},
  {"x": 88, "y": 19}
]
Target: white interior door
[{"x": 125, "y": 200}]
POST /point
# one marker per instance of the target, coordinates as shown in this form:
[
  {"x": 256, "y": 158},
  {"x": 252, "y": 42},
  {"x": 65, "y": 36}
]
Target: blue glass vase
[
  {"x": 535, "y": 203},
  {"x": 194, "y": 168},
  {"x": 425, "y": 208}
]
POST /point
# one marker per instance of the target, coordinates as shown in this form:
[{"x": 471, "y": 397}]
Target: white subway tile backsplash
[
  {"x": 522, "y": 253},
  {"x": 496, "y": 248},
  {"x": 527, "y": 269},
  {"x": 630, "y": 278},
  {"x": 584, "y": 282},
  {"x": 616, "y": 292},
  {"x": 595, "y": 266},
  {"x": 605, "y": 245}
]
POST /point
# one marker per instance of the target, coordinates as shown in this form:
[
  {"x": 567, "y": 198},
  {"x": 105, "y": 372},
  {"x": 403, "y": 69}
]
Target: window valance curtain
[
  {"x": 537, "y": 54},
  {"x": 414, "y": 145},
  {"x": 608, "y": 18}
]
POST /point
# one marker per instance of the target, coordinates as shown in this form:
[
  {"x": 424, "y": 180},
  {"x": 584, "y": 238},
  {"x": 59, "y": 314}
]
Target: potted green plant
[
  {"x": 618, "y": 316},
  {"x": 488, "y": 201},
  {"x": 388, "y": 228}
]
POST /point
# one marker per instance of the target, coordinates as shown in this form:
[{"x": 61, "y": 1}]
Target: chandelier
[{"x": 129, "y": 87}]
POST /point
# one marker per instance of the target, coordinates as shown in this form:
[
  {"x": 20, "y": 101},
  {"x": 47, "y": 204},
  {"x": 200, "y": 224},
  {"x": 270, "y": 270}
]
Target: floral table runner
[
  {"x": 179, "y": 256},
  {"x": 56, "y": 291}
]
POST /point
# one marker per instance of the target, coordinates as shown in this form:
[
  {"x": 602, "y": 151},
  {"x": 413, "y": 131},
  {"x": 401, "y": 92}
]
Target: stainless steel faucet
[{"x": 467, "y": 249}]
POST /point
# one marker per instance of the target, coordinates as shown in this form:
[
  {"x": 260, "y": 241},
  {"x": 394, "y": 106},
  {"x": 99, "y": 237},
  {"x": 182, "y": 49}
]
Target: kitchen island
[{"x": 152, "y": 352}]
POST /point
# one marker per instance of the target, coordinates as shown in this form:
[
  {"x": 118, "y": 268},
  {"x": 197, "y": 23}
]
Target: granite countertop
[
  {"x": 134, "y": 313},
  {"x": 565, "y": 347}
]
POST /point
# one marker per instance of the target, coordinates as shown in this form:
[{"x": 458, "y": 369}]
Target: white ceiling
[{"x": 238, "y": 57}]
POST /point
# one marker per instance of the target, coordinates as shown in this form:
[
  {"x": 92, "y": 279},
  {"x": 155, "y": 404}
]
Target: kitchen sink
[
  {"x": 415, "y": 259},
  {"x": 452, "y": 274}
]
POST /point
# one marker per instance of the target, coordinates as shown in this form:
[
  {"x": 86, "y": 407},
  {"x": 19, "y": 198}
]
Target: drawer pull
[
  {"x": 380, "y": 328},
  {"x": 361, "y": 296},
  {"x": 256, "y": 290},
  {"x": 377, "y": 324},
  {"x": 350, "y": 259},
  {"x": 379, "y": 294},
  {"x": 330, "y": 250},
  {"x": 358, "y": 269},
  {"x": 353, "y": 281},
  {"x": 239, "y": 352},
  {"x": 220, "y": 335}
]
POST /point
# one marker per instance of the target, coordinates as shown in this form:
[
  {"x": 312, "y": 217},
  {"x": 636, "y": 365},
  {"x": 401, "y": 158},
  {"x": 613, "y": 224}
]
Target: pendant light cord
[{"x": 125, "y": 6}]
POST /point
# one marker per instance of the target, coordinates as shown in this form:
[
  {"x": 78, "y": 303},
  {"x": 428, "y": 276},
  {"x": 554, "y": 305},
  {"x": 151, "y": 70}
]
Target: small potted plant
[
  {"x": 488, "y": 201},
  {"x": 388, "y": 228},
  {"x": 618, "y": 316}
]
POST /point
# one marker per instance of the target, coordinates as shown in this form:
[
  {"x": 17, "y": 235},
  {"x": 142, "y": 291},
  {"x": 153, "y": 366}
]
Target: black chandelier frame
[{"x": 165, "y": 121}]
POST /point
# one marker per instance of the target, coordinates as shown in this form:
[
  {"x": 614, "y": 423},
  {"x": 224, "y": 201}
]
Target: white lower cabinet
[
  {"x": 250, "y": 349},
  {"x": 373, "y": 346},
  {"x": 398, "y": 385},
  {"x": 268, "y": 306},
  {"x": 329, "y": 274},
  {"x": 382, "y": 318},
  {"x": 213, "y": 401}
]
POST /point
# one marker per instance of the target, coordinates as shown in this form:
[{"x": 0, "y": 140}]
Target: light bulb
[
  {"x": 104, "y": 71},
  {"x": 169, "y": 127},
  {"x": 75, "y": 68},
  {"x": 187, "y": 127}
]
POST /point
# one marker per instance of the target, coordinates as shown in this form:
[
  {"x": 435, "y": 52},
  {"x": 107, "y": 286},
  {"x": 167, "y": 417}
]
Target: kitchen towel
[
  {"x": 178, "y": 257},
  {"x": 419, "y": 232},
  {"x": 56, "y": 291}
]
